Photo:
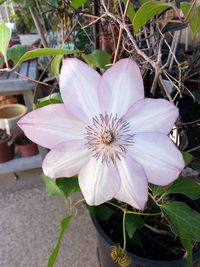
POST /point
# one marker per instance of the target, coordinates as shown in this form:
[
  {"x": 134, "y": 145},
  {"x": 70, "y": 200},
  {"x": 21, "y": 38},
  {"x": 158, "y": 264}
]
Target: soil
[
  {"x": 152, "y": 246},
  {"x": 3, "y": 135},
  {"x": 23, "y": 140}
]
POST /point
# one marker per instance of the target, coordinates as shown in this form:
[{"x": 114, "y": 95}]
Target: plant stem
[
  {"x": 120, "y": 31},
  {"x": 110, "y": 203},
  {"x": 79, "y": 201},
  {"x": 190, "y": 10},
  {"x": 38, "y": 25},
  {"x": 151, "y": 196},
  {"x": 143, "y": 214},
  {"x": 156, "y": 201},
  {"x": 133, "y": 212},
  {"x": 160, "y": 198},
  {"x": 153, "y": 229},
  {"x": 124, "y": 230}
]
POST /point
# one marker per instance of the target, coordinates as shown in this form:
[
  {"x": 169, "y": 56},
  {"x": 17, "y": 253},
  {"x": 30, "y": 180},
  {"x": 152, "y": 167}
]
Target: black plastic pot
[{"x": 104, "y": 249}]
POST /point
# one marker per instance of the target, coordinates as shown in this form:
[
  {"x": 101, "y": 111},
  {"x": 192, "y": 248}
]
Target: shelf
[
  {"x": 12, "y": 84},
  {"x": 21, "y": 163},
  {"x": 24, "y": 163}
]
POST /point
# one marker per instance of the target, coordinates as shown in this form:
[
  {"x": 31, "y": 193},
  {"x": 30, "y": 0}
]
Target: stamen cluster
[{"x": 108, "y": 137}]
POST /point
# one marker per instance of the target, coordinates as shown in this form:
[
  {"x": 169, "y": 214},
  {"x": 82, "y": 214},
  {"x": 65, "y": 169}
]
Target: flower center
[{"x": 108, "y": 137}]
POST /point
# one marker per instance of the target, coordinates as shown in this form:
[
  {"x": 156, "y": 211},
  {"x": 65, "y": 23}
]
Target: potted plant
[
  {"x": 25, "y": 146},
  {"x": 110, "y": 152},
  {"x": 113, "y": 132},
  {"x": 6, "y": 146}
]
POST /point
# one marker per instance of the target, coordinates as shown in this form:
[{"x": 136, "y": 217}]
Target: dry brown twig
[
  {"x": 153, "y": 59},
  {"x": 124, "y": 27}
]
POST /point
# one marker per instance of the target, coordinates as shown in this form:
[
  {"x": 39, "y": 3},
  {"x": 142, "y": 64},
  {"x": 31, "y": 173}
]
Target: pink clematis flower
[{"x": 107, "y": 133}]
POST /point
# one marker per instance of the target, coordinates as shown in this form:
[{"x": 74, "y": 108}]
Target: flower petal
[
  {"x": 99, "y": 181},
  {"x": 152, "y": 115},
  {"x": 66, "y": 159},
  {"x": 158, "y": 155},
  {"x": 134, "y": 185},
  {"x": 51, "y": 125},
  {"x": 126, "y": 86},
  {"x": 78, "y": 85}
]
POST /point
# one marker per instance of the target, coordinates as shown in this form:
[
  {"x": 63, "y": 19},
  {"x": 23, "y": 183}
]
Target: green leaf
[
  {"x": 187, "y": 244},
  {"x": 185, "y": 186},
  {"x": 137, "y": 240},
  {"x": 28, "y": 3},
  {"x": 51, "y": 99},
  {"x": 132, "y": 223},
  {"x": 194, "y": 17},
  {"x": 148, "y": 11},
  {"x": 2, "y": 60},
  {"x": 103, "y": 213},
  {"x": 78, "y": 3},
  {"x": 68, "y": 185},
  {"x": 45, "y": 52},
  {"x": 55, "y": 96},
  {"x": 48, "y": 102},
  {"x": 51, "y": 187},
  {"x": 187, "y": 157},
  {"x": 5, "y": 35},
  {"x": 157, "y": 190},
  {"x": 97, "y": 59},
  {"x": 64, "y": 223},
  {"x": 16, "y": 52},
  {"x": 183, "y": 221},
  {"x": 131, "y": 10},
  {"x": 55, "y": 65}
]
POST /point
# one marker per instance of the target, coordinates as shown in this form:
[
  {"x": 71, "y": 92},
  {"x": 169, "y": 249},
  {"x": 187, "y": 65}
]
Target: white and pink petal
[
  {"x": 51, "y": 125},
  {"x": 152, "y": 115},
  {"x": 134, "y": 185},
  {"x": 66, "y": 159},
  {"x": 161, "y": 160},
  {"x": 99, "y": 181},
  {"x": 123, "y": 86},
  {"x": 78, "y": 85}
]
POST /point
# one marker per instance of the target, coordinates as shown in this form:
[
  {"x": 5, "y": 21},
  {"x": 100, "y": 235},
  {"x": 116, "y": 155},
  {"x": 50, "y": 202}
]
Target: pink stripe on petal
[
  {"x": 51, "y": 125},
  {"x": 66, "y": 159},
  {"x": 126, "y": 86},
  {"x": 152, "y": 115},
  {"x": 134, "y": 185},
  {"x": 99, "y": 181},
  {"x": 158, "y": 155},
  {"x": 78, "y": 85}
]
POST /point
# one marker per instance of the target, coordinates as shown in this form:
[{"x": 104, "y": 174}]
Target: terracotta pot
[
  {"x": 7, "y": 100},
  {"x": 25, "y": 146},
  {"x": 6, "y": 149}
]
